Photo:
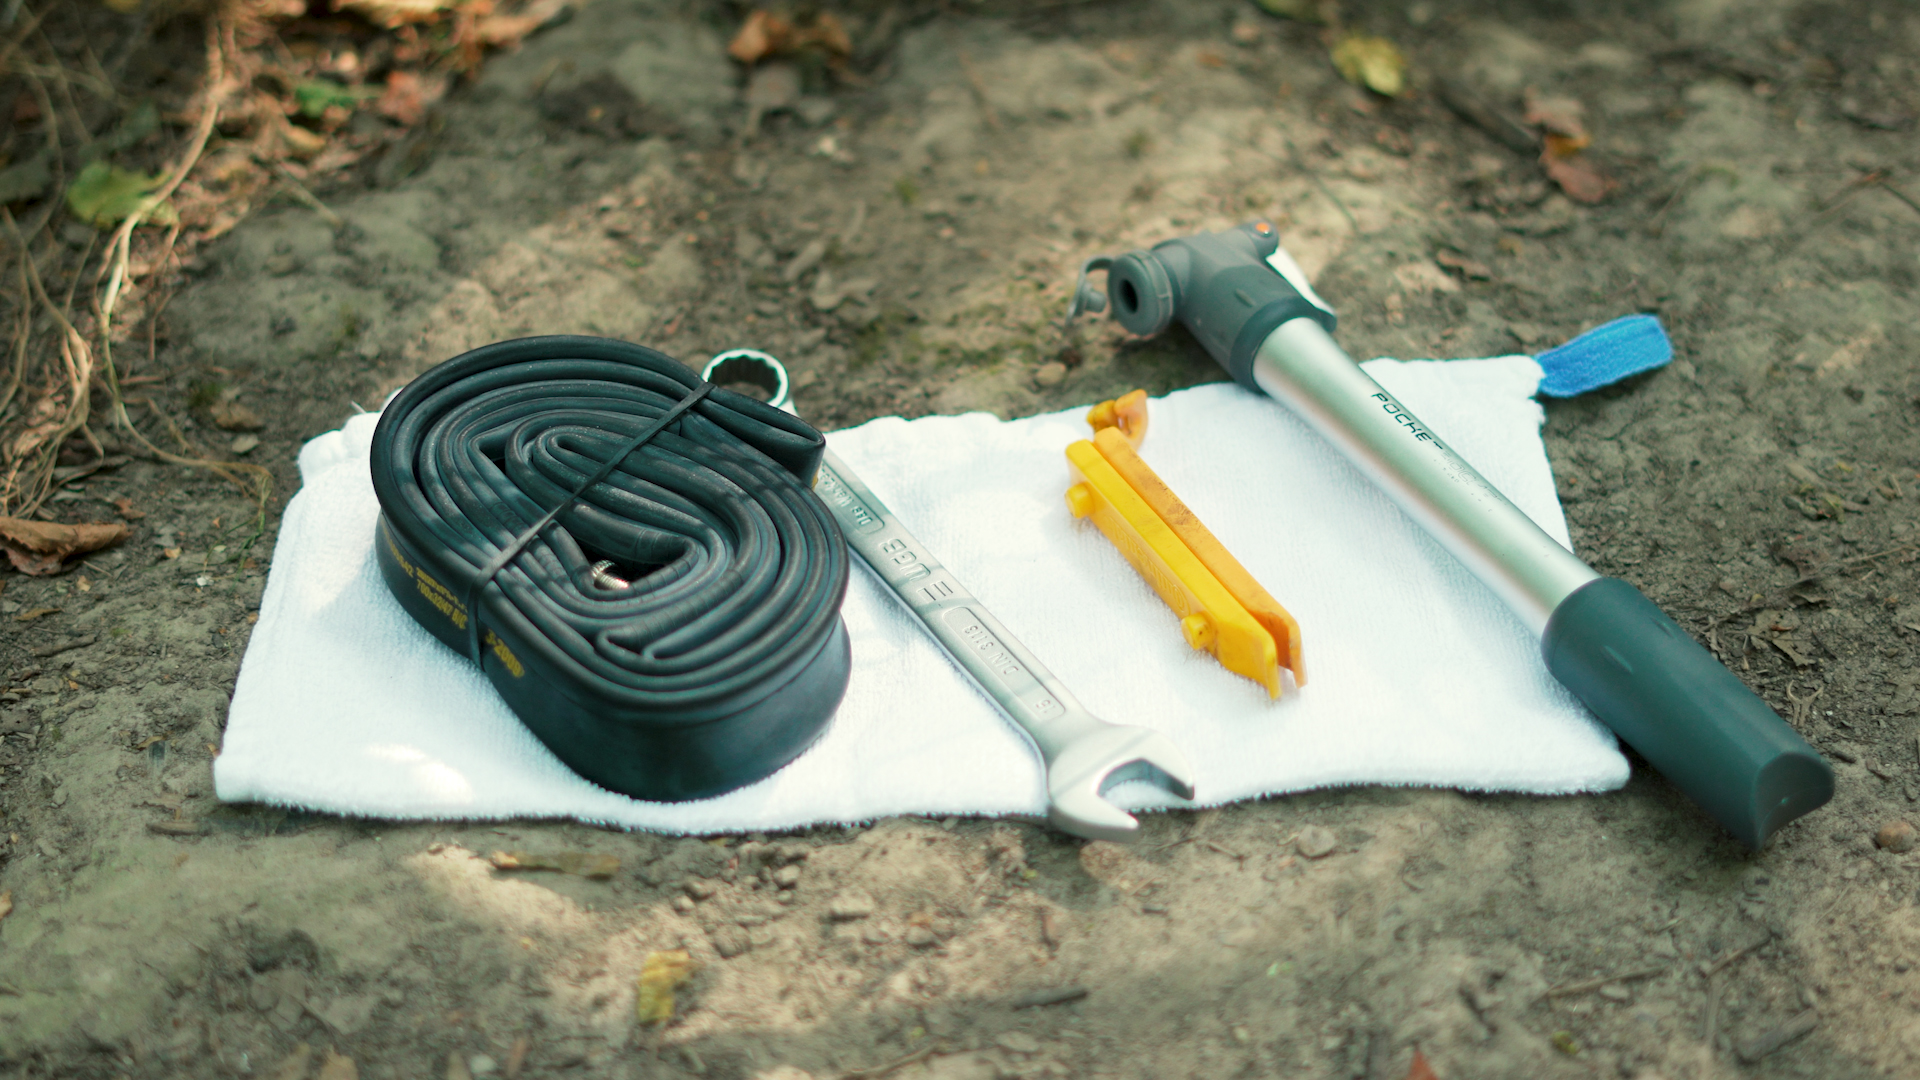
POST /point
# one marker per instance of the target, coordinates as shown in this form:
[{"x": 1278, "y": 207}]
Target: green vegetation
[
  {"x": 316, "y": 96},
  {"x": 203, "y": 395}
]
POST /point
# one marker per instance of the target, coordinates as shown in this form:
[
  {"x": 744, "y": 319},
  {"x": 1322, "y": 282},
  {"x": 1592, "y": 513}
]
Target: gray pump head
[{"x": 1231, "y": 289}]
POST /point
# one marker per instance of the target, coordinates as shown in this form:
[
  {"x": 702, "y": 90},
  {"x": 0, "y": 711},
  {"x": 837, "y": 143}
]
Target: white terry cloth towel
[{"x": 1416, "y": 674}]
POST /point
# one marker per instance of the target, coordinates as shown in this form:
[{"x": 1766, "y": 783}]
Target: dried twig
[
  {"x": 77, "y": 360},
  {"x": 95, "y": 84},
  {"x": 872, "y": 1071},
  {"x": 305, "y": 197},
  {"x": 1596, "y": 983},
  {"x": 1887, "y": 186},
  {"x": 1725, "y": 960},
  {"x": 118, "y": 277},
  {"x": 1057, "y": 995},
  {"x": 1709, "y": 1028},
  {"x": 120, "y": 249},
  {"x": 1839, "y": 201},
  {"x": 1224, "y": 850},
  {"x": 1475, "y": 110},
  {"x": 1784, "y": 594},
  {"x": 23, "y": 336},
  {"x": 1752, "y": 1050},
  {"x": 979, "y": 88}
]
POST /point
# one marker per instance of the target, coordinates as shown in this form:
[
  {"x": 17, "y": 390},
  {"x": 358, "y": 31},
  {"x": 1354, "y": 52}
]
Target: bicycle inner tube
[{"x": 710, "y": 653}]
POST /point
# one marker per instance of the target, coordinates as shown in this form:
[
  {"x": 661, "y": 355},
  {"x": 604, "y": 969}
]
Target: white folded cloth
[{"x": 1417, "y": 675}]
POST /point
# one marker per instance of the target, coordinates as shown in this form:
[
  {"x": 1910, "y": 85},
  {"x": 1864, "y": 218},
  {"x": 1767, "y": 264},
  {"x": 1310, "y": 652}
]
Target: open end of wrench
[{"x": 1080, "y": 774}]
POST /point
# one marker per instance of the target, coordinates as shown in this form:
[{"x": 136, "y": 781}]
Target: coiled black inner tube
[{"x": 725, "y": 656}]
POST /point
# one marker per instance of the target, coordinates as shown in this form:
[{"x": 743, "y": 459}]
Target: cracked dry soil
[{"x": 908, "y": 247}]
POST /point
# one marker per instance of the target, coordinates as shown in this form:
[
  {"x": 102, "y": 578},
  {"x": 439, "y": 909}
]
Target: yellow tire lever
[{"x": 1222, "y": 609}]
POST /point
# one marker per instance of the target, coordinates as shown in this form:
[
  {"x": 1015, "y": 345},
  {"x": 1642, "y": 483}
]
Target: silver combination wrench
[{"x": 1084, "y": 755}]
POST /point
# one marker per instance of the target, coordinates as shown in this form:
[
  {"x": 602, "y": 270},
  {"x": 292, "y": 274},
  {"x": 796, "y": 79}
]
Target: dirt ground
[{"x": 908, "y": 245}]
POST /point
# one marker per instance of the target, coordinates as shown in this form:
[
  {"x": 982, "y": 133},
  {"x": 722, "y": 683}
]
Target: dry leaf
[
  {"x": 1559, "y": 116},
  {"x": 517, "y": 1057},
  {"x": 498, "y": 31},
  {"x": 32, "y": 439},
  {"x": 1420, "y": 1069},
  {"x": 765, "y": 34},
  {"x": 302, "y": 143},
  {"x": 35, "y": 613},
  {"x": 598, "y": 867},
  {"x": 6, "y": 903},
  {"x": 233, "y": 416},
  {"x": 1372, "y": 62},
  {"x": 1464, "y": 266},
  {"x": 408, "y": 95},
  {"x": 1565, "y": 137},
  {"x": 755, "y": 37},
  {"x": 389, "y": 14},
  {"x": 294, "y": 1065},
  {"x": 1580, "y": 179},
  {"x": 44, "y": 421},
  {"x": 1564, "y": 146},
  {"x": 1849, "y": 355},
  {"x": 827, "y": 33},
  {"x": 39, "y": 547},
  {"x": 338, "y": 1067},
  {"x": 661, "y": 974},
  {"x": 124, "y": 507}
]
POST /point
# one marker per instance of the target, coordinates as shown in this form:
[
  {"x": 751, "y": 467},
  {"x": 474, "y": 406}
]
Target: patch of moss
[
  {"x": 203, "y": 395},
  {"x": 887, "y": 334},
  {"x": 1025, "y": 352},
  {"x": 349, "y": 324}
]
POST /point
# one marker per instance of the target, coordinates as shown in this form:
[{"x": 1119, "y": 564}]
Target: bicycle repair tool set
[{"x": 650, "y": 571}]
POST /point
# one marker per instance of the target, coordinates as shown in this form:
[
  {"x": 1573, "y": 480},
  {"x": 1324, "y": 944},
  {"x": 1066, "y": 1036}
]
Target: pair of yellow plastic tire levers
[{"x": 1222, "y": 609}]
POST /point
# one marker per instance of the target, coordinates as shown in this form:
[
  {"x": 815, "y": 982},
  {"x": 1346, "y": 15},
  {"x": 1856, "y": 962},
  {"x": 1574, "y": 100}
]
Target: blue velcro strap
[{"x": 1605, "y": 354}]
